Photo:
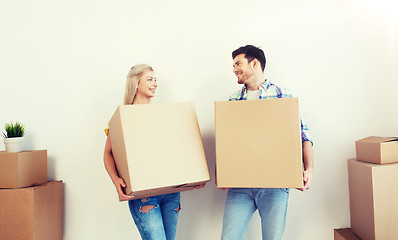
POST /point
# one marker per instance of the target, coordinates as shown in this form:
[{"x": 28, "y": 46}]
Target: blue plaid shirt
[{"x": 270, "y": 90}]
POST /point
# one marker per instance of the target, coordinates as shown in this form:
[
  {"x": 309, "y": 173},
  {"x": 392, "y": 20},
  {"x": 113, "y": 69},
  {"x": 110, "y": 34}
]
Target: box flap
[
  {"x": 165, "y": 190},
  {"x": 395, "y": 139},
  {"x": 376, "y": 139}
]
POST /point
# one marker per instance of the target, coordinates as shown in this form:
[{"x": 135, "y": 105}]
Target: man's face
[{"x": 243, "y": 69}]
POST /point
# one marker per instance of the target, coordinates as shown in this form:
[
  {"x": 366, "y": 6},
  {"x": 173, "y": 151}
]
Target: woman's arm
[{"x": 110, "y": 167}]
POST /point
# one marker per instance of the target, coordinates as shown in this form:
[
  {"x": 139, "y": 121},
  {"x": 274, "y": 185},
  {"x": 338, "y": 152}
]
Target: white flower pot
[{"x": 13, "y": 144}]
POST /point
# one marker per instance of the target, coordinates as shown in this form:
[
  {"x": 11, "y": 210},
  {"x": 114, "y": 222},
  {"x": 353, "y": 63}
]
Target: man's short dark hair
[{"x": 251, "y": 52}]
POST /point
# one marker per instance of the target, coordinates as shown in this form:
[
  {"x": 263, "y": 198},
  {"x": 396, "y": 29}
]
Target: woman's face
[{"x": 147, "y": 84}]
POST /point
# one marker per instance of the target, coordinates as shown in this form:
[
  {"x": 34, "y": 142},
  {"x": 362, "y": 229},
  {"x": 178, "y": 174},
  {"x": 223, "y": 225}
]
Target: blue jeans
[
  {"x": 156, "y": 217},
  {"x": 243, "y": 202}
]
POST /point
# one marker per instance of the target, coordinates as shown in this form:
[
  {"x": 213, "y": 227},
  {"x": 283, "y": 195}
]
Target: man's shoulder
[
  {"x": 280, "y": 91},
  {"x": 236, "y": 95}
]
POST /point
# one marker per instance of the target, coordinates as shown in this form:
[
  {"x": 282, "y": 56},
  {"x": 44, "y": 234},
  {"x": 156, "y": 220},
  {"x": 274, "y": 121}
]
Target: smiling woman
[
  {"x": 146, "y": 87},
  {"x": 138, "y": 79},
  {"x": 156, "y": 217}
]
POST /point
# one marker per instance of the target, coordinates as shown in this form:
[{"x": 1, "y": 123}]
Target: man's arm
[{"x": 308, "y": 160}]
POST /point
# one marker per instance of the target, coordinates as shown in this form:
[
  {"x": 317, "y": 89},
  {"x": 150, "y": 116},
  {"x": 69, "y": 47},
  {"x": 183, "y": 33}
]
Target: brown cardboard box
[
  {"x": 373, "y": 200},
  {"x": 258, "y": 144},
  {"x": 378, "y": 150},
  {"x": 23, "y": 169},
  {"x": 345, "y": 234},
  {"x": 158, "y": 148},
  {"x": 34, "y": 213}
]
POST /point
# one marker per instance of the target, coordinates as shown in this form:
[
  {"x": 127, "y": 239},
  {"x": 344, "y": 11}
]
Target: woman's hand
[
  {"x": 200, "y": 186},
  {"x": 120, "y": 184}
]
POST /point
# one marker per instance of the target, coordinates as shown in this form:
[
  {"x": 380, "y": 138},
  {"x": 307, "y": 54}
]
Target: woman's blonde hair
[{"x": 133, "y": 78}]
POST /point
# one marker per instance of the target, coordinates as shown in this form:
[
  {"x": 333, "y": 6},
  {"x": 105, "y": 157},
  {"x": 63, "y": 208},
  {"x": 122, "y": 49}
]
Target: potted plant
[{"x": 13, "y": 136}]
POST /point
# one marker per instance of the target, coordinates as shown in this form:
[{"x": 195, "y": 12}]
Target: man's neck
[{"x": 255, "y": 84}]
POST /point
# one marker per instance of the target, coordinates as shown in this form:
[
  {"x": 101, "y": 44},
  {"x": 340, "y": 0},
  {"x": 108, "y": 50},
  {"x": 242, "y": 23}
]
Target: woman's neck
[{"x": 141, "y": 100}]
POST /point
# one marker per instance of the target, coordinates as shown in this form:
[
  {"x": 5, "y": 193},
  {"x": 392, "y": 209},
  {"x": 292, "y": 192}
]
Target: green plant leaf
[{"x": 14, "y": 130}]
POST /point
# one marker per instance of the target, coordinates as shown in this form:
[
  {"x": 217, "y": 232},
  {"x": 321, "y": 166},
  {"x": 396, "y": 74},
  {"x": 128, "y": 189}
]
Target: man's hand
[
  {"x": 307, "y": 178},
  {"x": 308, "y": 157}
]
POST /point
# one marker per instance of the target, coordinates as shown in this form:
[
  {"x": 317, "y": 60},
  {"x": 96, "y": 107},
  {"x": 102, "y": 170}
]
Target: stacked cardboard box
[
  {"x": 31, "y": 207},
  {"x": 373, "y": 194},
  {"x": 23, "y": 169}
]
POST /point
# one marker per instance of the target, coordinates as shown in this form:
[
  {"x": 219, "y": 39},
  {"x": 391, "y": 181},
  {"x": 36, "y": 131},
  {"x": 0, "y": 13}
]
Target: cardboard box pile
[
  {"x": 373, "y": 193},
  {"x": 158, "y": 148},
  {"x": 258, "y": 144},
  {"x": 31, "y": 208}
]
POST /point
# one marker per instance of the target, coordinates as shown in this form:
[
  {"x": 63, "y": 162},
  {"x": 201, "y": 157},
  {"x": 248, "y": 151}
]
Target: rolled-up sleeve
[{"x": 305, "y": 132}]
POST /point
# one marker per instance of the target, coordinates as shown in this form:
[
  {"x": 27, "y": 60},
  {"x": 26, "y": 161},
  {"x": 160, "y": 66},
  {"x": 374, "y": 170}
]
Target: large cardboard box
[
  {"x": 23, "y": 169},
  {"x": 373, "y": 200},
  {"x": 378, "y": 150},
  {"x": 158, "y": 148},
  {"x": 34, "y": 213},
  {"x": 345, "y": 234},
  {"x": 258, "y": 144}
]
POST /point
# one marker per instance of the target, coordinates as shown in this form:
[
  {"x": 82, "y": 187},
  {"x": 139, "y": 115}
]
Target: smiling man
[{"x": 249, "y": 64}]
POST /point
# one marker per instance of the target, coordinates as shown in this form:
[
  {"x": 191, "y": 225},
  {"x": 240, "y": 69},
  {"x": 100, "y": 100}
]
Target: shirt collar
[{"x": 263, "y": 88}]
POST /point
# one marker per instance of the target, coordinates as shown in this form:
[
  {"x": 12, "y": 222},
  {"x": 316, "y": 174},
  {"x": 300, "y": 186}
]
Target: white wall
[{"x": 63, "y": 66}]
